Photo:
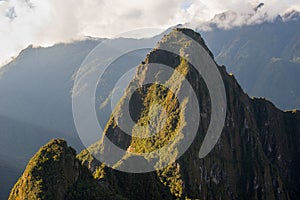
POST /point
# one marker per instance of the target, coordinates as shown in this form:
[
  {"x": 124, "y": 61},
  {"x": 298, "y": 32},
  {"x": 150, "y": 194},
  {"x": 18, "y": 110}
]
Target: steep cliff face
[
  {"x": 256, "y": 157},
  {"x": 55, "y": 173}
]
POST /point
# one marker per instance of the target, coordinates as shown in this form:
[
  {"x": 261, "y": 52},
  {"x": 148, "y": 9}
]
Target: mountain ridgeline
[{"x": 256, "y": 157}]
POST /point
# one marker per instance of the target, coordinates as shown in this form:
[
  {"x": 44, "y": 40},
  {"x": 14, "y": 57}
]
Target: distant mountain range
[
  {"x": 257, "y": 156},
  {"x": 35, "y": 104},
  {"x": 265, "y": 58}
]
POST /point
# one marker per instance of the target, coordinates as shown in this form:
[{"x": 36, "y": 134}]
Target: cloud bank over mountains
[{"x": 43, "y": 23}]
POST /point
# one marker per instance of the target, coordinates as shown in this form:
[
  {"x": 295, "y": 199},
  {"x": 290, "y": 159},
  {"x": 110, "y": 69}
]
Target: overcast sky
[{"x": 45, "y": 22}]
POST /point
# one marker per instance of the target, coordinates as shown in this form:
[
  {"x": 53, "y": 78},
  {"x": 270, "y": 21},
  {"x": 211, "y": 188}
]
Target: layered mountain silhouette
[
  {"x": 257, "y": 156},
  {"x": 35, "y": 104},
  {"x": 35, "y": 88}
]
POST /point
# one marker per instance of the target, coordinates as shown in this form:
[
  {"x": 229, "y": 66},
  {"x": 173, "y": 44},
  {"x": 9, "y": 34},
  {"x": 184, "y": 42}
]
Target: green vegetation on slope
[{"x": 55, "y": 173}]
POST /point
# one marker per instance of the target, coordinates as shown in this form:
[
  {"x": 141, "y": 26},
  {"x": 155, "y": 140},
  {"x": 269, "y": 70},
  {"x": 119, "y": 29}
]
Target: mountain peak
[
  {"x": 248, "y": 153},
  {"x": 183, "y": 41},
  {"x": 54, "y": 172},
  {"x": 53, "y": 167}
]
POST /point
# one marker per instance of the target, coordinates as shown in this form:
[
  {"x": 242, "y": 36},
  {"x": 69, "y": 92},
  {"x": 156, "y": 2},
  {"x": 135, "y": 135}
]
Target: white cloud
[
  {"x": 50, "y": 21},
  {"x": 241, "y": 12}
]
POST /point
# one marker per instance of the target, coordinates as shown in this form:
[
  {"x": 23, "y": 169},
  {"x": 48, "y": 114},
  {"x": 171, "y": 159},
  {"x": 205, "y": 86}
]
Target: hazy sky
[{"x": 45, "y": 22}]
